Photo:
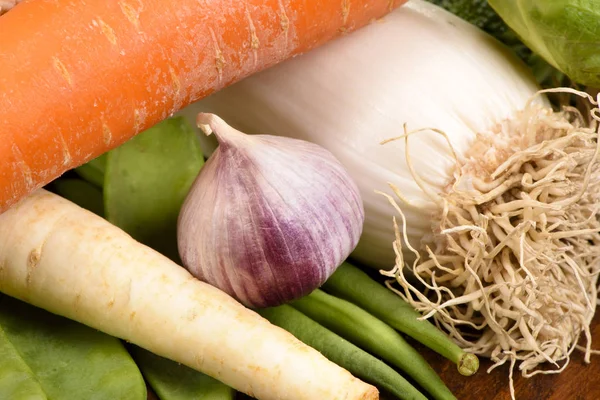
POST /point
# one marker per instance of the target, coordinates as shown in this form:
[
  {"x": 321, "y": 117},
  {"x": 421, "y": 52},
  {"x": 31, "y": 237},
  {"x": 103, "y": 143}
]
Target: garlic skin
[
  {"x": 269, "y": 218},
  {"x": 420, "y": 66}
]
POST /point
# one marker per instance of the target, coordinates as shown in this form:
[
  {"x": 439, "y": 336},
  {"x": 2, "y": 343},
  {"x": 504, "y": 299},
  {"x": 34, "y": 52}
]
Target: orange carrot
[{"x": 79, "y": 78}]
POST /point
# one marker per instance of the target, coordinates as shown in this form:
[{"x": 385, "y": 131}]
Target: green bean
[
  {"x": 338, "y": 350},
  {"x": 173, "y": 381},
  {"x": 373, "y": 335},
  {"x": 354, "y": 285}
]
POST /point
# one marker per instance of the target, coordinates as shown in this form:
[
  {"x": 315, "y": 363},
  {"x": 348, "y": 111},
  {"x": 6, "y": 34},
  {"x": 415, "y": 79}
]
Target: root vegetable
[{"x": 69, "y": 261}]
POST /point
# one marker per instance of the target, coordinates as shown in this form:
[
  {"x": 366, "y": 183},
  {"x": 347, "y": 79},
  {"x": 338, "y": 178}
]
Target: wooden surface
[{"x": 579, "y": 381}]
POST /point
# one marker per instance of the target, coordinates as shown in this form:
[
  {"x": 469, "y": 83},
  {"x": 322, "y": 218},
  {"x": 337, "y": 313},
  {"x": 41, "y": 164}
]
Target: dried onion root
[{"x": 510, "y": 269}]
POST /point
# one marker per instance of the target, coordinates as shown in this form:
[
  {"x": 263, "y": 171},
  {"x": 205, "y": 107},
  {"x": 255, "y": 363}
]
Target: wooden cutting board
[{"x": 579, "y": 381}]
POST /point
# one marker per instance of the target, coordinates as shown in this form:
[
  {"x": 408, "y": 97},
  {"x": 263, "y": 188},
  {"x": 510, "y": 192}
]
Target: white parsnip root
[{"x": 60, "y": 257}]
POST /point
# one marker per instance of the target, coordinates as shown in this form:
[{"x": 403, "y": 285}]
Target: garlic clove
[{"x": 269, "y": 218}]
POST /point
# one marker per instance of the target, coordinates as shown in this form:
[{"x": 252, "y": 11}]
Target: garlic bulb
[{"x": 269, "y": 218}]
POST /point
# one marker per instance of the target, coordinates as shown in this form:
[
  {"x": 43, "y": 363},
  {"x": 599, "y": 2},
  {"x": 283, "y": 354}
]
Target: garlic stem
[{"x": 211, "y": 123}]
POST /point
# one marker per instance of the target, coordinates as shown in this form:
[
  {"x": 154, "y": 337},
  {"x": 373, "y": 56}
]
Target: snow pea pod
[
  {"x": 173, "y": 381},
  {"x": 147, "y": 179},
  {"x": 80, "y": 192}
]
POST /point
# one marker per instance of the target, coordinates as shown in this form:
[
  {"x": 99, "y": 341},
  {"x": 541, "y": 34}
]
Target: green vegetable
[
  {"x": 354, "y": 285},
  {"x": 44, "y": 356},
  {"x": 566, "y": 33},
  {"x": 80, "y": 192},
  {"x": 337, "y": 349},
  {"x": 370, "y": 333},
  {"x": 93, "y": 171},
  {"x": 173, "y": 381},
  {"x": 16, "y": 379},
  {"x": 147, "y": 180}
]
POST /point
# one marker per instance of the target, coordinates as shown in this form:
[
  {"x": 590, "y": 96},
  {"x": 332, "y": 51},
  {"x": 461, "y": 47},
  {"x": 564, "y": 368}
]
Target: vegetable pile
[
  {"x": 469, "y": 192},
  {"x": 136, "y": 303},
  {"x": 65, "y": 259}
]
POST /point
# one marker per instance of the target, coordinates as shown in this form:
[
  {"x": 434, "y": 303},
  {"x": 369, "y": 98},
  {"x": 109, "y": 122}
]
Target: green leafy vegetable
[
  {"x": 16, "y": 379},
  {"x": 566, "y": 33},
  {"x": 147, "y": 180},
  {"x": 482, "y": 15},
  {"x": 173, "y": 381},
  {"x": 44, "y": 356}
]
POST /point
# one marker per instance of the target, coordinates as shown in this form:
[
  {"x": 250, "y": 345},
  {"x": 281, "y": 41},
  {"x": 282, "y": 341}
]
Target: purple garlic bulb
[{"x": 268, "y": 218}]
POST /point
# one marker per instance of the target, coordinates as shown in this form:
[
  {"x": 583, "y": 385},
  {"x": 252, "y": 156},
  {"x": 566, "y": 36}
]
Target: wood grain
[{"x": 579, "y": 381}]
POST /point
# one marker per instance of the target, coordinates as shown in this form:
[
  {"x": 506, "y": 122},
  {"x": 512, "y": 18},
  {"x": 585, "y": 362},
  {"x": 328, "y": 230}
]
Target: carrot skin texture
[
  {"x": 69, "y": 261},
  {"x": 83, "y": 77}
]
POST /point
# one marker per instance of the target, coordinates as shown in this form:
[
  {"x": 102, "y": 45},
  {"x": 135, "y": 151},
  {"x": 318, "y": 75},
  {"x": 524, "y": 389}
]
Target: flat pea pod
[
  {"x": 93, "y": 171},
  {"x": 45, "y": 356},
  {"x": 80, "y": 192},
  {"x": 340, "y": 351},
  {"x": 147, "y": 179},
  {"x": 173, "y": 381},
  {"x": 354, "y": 285},
  {"x": 373, "y": 335}
]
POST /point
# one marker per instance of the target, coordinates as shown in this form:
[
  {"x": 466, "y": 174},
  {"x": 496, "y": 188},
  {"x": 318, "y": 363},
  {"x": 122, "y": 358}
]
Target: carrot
[
  {"x": 78, "y": 78},
  {"x": 69, "y": 261}
]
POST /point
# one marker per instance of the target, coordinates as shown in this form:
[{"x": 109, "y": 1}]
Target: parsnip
[{"x": 58, "y": 256}]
